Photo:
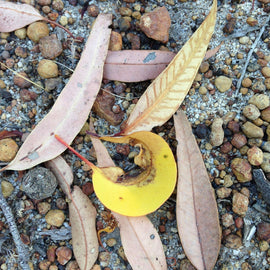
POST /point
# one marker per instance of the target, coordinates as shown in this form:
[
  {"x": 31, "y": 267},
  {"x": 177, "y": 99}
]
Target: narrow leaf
[
  {"x": 163, "y": 97},
  {"x": 135, "y": 65},
  {"x": 14, "y": 16},
  {"x": 196, "y": 209},
  {"x": 73, "y": 105},
  {"x": 82, "y": 215},
  {"x": 141, "y": 242},
  {"x": 8, "y": 134}
]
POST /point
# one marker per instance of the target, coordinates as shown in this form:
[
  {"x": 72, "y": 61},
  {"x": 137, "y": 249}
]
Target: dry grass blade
[
  {"x": 163, "y": 97},
  {"x": 196, "y": 209}
]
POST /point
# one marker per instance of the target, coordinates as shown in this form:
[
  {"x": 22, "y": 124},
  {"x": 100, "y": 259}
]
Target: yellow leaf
[
  {"x": 163, "y": 97},
  {"x": 147, "y": 190}
]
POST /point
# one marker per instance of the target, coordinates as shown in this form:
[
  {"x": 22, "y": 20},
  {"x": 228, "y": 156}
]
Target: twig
[
  {"x": 249, "y": 56},
  {"x": 21, "y": 249}
]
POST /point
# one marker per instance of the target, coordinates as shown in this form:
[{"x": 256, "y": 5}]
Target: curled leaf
[
  {"x": 135, "y": 65},
  {"x": 196, "y": 208},
  {"x": 165, "y": 94},
  {"x": 73, "y": 105}
]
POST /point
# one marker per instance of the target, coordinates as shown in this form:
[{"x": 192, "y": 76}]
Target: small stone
[
  {"x": 263, "y": 231},
  {"x": 115, "y": 41},
  {"x": 52, "y": 83},
  {"x": 240, "y": 204},
  {"x": 233, "y": 241},
  {"x": 244, "y": 40},
  {"x": 263, "y": 245},
  {"x": 2, "y": 84},
  {"x": 239, "y": 222},
  {"x": 55, "y": 217},
  {"x": 255, "y": 156},
  {"x": 124, "y": 24},
  {"x": 21, "y": 52},
  {"x": 246, "y": 82},
  {"x": 246, "y": 266},
  {"x": 104, "y": 258},
  {"x": 93, "y": 10},
  {"x": 203, "y": 90},
  {"x": 87, "y": 188},
  {"x": 251, "y": 130},
  {"x": 37, "y": 30},
  {"x": 122, "y": 254},
  {"x": 47, "y": 69},
  {"x": 223, "y": 83},
  {"x": 234, "y": 126},
  {"x": 20, "y": 33},
  {"x": 239, "y": 140},
  {"x": 44, "y": 265},
  {"x": 223, "y": 192},
  {"x": 204, "y": 67},
  {"x": 229, "y": 26},
  {"x": 241, "y": 169},
  {"x": 27, "y": 95},
  {"x": 261, "y": 101},
  {"x": 156, "y": 24},
  {"x": 61, "y": 203},
  {"x": 227, "y": 220},
  {"x": 63, "y": 20},
  {"x": 266, "y": 72},
  {"x": 63, "y": 254},
  {"x": 124, "y": 11},
  {"x": 266, "y": 162},
  {"x": 226, "y": 148},
  {"x": 7, "y": 188},
  {"x": 258, "y": 86},
  {"x": 43, "y": 208},
  {"x": 251, "y": 112},
  {"x": 134, "y": 40},
  {"x": 217, "y": 132},
  {"x": 20, "y": 81},
  {"x": 136, "y": 15},
  {"x": 202, "y": 131},
  {"x": 51, "y": 253},
  {"x": 252, "y": 21},
  {"x": 265, "y": 114},
  {"x": 73, "y": 265},
  {"x": 58, "y": 5},
  {"x": 111, "y": 242},
  {"x": 50, "y": 47},
  {"x": 8, "y": 149}
]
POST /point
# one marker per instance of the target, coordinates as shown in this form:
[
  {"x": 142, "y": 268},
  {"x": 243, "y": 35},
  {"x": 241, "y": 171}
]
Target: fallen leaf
[
  {"x": 73, "y": 105},
  {"x": 135, "y": 65},
  {"x": 196, "y": 208},
  {"x": 82, "y": 215},
  {"x": 14, "y": 16},
  {"x": 165, "y": 94},
  {"x": 213, "y": 51},
  {"x": 141, "y": 242},
  {"x": 7, "y": 134}
]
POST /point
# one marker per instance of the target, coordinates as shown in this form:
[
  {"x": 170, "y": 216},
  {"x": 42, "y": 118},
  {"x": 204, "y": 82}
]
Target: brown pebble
[
  {"x": 73, "y": 265},
  {"x": 50, "y": 47},
  {"x": 251, "y": 112},
  {"x": 44, "y": 265},
  {"x": 226, "y": 148},
  {"x": 21, "y": 52},
  {"x": 255, "y": 156},
  {"x": 122, "y": 149},
  {"x": 37, "y": 30},
  {"x": 266, "y": 72},
  {"x": 115, "y": 41},
  {"x": 27, "y": 95},
  {"x": 162, "y": 228},
  {"x": 51, "y": 253},
  {"x": 265, "y": 114},
  {"x": 63, "y": 254},
  {"x": 241, "y": 169},
  {"x": 43, "y": 207},
  {"x": 25, "y": 239},
  {"x": 87, "y": 188},
  {"x": 227, "y": 220},
  {"x": 20, "y": 81},
  {"x": 61, "y": 203},
  {"x": 47, "y": 69},
  {"x": 252, "y": 21},
  {"x": 234, "y": 126},
  {"x": 263, "y": 231},
  {"x": 233, "y": 241},
  {"x": 239, "y": 222},
  {"x": 223, "y": 192},
  {"x": 251, "y": 130},
  {"x": 58, "y": 5},
  {"x": 204, "y": 67},
  {"x": 239, "y": 140},
  {"x": 93, "y": 10},
  {"x": 240, "y": 204},
  {"x": 55, "y": 217},
  {"x": 134, "y": 40},
  {"x": 44, "y": 2},
  {"x": 8, "y": 149},
  {"x": 229, "y": 26}
]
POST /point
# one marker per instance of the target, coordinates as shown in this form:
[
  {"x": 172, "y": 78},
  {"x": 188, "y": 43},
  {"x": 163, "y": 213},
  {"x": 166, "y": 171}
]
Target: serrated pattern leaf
[{"x": 163, "y": 97}]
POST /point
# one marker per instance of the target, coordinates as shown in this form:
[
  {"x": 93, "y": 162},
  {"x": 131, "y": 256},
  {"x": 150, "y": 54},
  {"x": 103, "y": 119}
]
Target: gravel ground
[{"x": 244, "y": 240}]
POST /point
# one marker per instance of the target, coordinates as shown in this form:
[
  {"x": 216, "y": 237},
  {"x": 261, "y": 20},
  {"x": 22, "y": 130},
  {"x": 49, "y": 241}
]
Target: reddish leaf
[
  {"x": 14, "y": 16},
  {"x": 73, "y": 105},
  {"x": 135, "y": 65},
  {"x": 197, "y": 214},
  {"x": 7, "y": 134},
  {"x": 213, "y": 51}
]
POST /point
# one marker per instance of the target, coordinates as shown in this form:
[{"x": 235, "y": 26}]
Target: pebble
[
  {"x": 265, "y": 114},
  {"x": 88, "y": 188},
  {"x": 255, "y": 156},
  {"x": 203, "y": 90},
  {"x": 93, "y": 10},
  {"x": 217, "y": 132},
  {"x": 251, "y": 21},
  {"x": 223, "y": 192},
  {"x": 251, "y": 112},
  {"x": 124, "y": 24},
  {"x": 111, "y": 242},
  {"x": 240, "y": 204},
  {"x": 63, "y": 254},
  {"x": 246, "y": 82},
  {"x": 47, "y": 69},
  {"x": 58, "y": 5},
  {"x": 266, "y": 162},
  {"x": 241, "y": 169},
  {"x": 20, "y": 81},
  {"x": 50, "y": 47},
  {"x": 263, "y": 245},
  {"x": 124, "y": 11},
  {"x": 267, "y": 83},
  {"x": 37, "y": 30},
  {"x": 52, "y": 83},
  {"x": 223, "y": 83},
  {"x": 63, "y": 20},
  {"x": 263, "y": 231},
  {"x": 251, "y": 130},
  {"x": 44, "y": 2},
  {"x": 115, "y": 41},
  {"x": 226, "y": 147},
  {"x": 21, "y": 52},
  {"x": 27, "y": 95},
  {"x": 104, "y": 258},
  {"x": 20, "y": 33},
  {"x": 233, "y": 241},
  {"x": 238, "y": 140},
  {"x": 55, "y": 217},
  {"x": 227, "y": 220},
  {"x": 266, "y": 72},
  {"x": 258, "y": 86},
  {"x": 73, "y": 265},
  {"x": 234, "y": 126},
  {"x": 8, "y": 149},
  {"x": 156, "y": 24},
  {"x": 43, "y": 208},
  {"x": 44, "y": 265},
  {"x": 261, "y": 101},
  {"x": 229, "y": 26},
  {"x": 2, "y": 84},
  {"x": 244, "y": 40},
  {"x": 202, "y": 131},
  {"x": 39, "y": 183},
  {"x": 134, "y": 40},
  {"x": 51, "y": 253},
  {"x": 204, "y": 67},
  {"x": 7, "y": 188}
]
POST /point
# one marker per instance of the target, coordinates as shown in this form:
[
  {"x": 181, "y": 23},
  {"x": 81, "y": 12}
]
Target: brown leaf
[
  {"x": 82, "y": 215},
  {"x": 196, "y": 208},
  {"x": 8, "y": 134},
  {"x": 141, "y": 242},
  {"x": 135, "y": 65},
  {"x": 73, "y": 105},
  {"x": 14, "y": 16},
  {"x": 213, "y": 51},
  {"x": 163, "y": 97}
]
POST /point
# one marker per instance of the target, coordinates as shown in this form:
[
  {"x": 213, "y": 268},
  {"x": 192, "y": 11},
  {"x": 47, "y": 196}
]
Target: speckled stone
[
  {"x": 251, "y": 112},
  {"x": 251, "y": 130},
  {"x": 238, "y": 140},
  {"x": 115, "y": 41},
  {"x": 240, "y": 204},
  {"x": 259, "y": 86},
  {"x": 223, "y": 83},
  {"x": 37, "y": 30},
  {"x": 217, "y": 132},
  {"x": 241, "y": 169},
  {"x": 233, "y": 241},
  {"x": 227, "y": 220},
  {"x": 8, "y": 149},
  {"x": 223, "y": 192},
  {"x": 261, "y": 101},
  {"x": 255, "y": 156},
  {"x": 55, "y": 217}
]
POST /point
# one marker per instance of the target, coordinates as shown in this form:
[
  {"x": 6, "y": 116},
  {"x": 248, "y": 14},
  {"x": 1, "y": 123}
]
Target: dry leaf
[
  {"x": 14, "y": 16},
  {"x": 140, "y": 239},
  {"x": 8, "y": 134},
  {"x": 73, "y": 105},
  {"x": 82, "y": 215},
  {"x": 196, "y": 208},
  {"x": 163, "y": 97},
  {"x": 135, "y": 65},
  {"x": 213, "y": 51}
]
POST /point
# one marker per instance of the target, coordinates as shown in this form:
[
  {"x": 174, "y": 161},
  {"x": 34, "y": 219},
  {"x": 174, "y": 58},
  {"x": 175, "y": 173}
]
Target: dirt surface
[{"x": 242, "y": 247}]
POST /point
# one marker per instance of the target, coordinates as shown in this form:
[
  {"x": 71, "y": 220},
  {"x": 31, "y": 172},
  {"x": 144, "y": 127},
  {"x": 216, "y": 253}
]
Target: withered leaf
[
  {"x": 163, "y": 97},
  {"x": 196, "y": 208},
  {"x": 73, "y": 105}
]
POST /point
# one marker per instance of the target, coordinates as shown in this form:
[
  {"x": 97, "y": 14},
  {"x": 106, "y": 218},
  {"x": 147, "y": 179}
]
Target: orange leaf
[
  {"x": 163, "y": 97},
  {"x": 196, "y": 208},
  {"x": 135, "y": 65},
  {"x": 73, "y": 105}
]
